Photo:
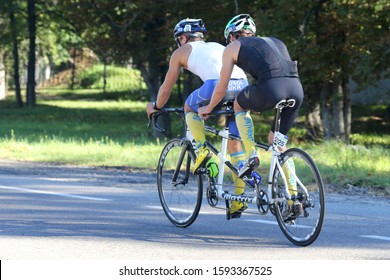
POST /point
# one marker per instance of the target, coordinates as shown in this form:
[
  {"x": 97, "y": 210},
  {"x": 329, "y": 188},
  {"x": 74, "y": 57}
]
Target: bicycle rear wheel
[
  {"x": 180, "y": 191},
  {"x": 300, "y": 223}
]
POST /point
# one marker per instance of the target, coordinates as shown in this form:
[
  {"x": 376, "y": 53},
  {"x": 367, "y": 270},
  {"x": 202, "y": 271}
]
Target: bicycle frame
[
  {"x": 273, "y": 148},
  {"x": 226, "y": 135},
  {"x": 297, "y": 203}
]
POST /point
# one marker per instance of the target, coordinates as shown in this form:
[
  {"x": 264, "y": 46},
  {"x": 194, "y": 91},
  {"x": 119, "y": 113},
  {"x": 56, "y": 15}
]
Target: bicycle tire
[
  {"x": 304, "y": 228},
  {"x": 180, "y": 192}
]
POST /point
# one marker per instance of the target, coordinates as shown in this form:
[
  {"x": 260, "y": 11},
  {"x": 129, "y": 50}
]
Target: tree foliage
[{"x": 334, "y": 41}]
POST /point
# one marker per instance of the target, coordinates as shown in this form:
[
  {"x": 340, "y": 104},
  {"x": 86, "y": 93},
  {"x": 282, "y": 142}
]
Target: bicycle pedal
[
  {"x": 235, "y": 215},
  {"x": 290, "y": 222}
]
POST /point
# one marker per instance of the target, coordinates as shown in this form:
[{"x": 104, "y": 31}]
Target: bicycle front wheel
[
  {"x": 180, "y": 191},
  {"x": 302, "y": 218}
]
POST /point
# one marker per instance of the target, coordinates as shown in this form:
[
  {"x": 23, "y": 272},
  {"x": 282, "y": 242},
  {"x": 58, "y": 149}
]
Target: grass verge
[{"x": 88, "y": 128}]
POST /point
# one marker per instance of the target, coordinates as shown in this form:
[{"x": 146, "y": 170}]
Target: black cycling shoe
[{"x": 237, "y": 214}]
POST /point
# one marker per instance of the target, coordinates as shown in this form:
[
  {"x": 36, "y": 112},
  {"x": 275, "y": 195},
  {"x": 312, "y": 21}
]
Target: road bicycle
[{"x": 299, "y": 213}]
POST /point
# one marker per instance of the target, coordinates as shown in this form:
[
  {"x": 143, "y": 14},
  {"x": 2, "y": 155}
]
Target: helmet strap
[
  {"x": 234, "y": 34},
  {"x": 188, "y": 37},
  {"x": 177, "y": 40}
]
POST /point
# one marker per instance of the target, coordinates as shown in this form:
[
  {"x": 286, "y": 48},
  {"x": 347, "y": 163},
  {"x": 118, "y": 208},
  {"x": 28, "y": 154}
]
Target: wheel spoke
[
  {"x": 179, "y": 190},
  {"x": 302, "y": 221}
]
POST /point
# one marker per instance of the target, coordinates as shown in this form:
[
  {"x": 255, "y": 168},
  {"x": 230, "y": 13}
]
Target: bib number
[{"x": 280, "y": 139}]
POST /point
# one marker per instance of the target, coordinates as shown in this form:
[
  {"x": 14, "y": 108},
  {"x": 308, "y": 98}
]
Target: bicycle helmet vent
[
  {"x": 189, "y": 26},
  {"x": 242, "y": 21}
]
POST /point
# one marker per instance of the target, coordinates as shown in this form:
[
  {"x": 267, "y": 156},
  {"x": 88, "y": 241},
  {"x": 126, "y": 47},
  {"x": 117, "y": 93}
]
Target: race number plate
[{"x": 280, "y": 139}]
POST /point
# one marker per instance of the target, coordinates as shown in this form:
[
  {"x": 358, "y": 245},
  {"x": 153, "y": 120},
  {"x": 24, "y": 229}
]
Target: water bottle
[{"x": 213, "y": 169}]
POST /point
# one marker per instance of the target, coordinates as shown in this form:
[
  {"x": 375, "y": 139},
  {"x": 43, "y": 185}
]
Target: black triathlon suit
[{"x": 267, "y": 60}]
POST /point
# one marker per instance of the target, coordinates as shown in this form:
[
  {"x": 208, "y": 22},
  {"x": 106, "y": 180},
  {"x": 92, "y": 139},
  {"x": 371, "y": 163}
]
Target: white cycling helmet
[{"x": 242, "y": 21}]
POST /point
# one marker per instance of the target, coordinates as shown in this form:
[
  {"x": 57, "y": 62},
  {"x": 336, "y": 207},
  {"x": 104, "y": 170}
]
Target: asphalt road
[{"x": 53, "y": 212}]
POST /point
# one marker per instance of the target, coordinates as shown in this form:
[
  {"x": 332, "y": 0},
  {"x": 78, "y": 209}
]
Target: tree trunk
[
  {"x": 338, "y": 112},
  {"x": 105, "y": 76},
  {"x": 313, "y": 123},
  {"x": 73, "y": 68},
  {"x": 152, "y": 77},
  {"x": 347, "y": 109},
  {"x": 3, "y": 86},
  {"x": 15, "y": 53},
  {"x": 31, "y": 55},
  {"x": 326, "y": 114}
]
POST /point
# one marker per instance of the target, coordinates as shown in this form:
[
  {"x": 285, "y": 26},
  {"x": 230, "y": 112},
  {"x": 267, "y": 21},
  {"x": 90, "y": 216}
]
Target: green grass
[
  {"x": 86, "y": 127},
  {"x": 78, "y": 120},
  {"x": 93, "y": 152},
  {"x": 342, "y": 164}
]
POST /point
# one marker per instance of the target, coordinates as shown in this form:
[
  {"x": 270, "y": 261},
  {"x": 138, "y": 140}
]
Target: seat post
[{"x": 277, "y": 119}]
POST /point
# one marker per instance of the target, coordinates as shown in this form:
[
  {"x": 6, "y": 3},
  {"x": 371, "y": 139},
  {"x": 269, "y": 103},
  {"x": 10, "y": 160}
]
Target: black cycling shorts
[{"x": 263, "y": 96}]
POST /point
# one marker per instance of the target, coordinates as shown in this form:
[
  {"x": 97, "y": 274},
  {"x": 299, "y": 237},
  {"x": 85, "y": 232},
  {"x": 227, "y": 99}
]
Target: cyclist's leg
[
  {"x": 196, "y": 124},
  {"x": 237, "y": 158},
  {"x": 246, "y": 131},
  {"x": 237, "y": 207},
  {"x": 245, "y": 128},
  {"x": 288, "y": 88}
]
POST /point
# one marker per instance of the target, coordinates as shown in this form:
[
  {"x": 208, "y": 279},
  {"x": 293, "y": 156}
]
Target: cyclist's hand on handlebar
[
  {"x": 149, "y": 109},
  {"x": 204, "y": 112}
]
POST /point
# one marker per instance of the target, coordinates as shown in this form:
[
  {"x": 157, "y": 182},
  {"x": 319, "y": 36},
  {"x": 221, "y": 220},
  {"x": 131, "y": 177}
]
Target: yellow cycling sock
[
  {"x": 289, "y": 172},
  {"x": 196, "y": 126},
  {"x": 237, "y": 159},
  {"x": 245, "y": 128}
]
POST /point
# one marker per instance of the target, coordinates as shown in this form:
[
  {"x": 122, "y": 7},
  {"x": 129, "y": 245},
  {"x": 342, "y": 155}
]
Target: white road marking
[
  {"x": 54, "y": 193},
  {"x": 276, "y": 223},
  {"x": 376, "y": 237},
  {"x": 262, "y": 221},
  {"x": 177, "y": 209}
]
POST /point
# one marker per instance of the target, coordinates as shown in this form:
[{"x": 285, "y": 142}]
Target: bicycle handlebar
[{"x": 154, "y": 116}]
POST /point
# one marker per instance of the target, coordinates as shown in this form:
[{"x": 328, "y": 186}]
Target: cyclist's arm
[
  {"x": 178, "y": 59},
  {"x": 228, "y": 62},
  {"x": 170, "y": 79}
]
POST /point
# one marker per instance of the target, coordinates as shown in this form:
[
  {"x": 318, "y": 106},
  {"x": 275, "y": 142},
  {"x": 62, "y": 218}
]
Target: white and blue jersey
[{"x": 205, "y": 61}]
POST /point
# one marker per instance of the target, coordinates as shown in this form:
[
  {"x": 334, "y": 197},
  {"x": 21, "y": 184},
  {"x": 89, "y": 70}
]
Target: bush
[{"x": 117, "y": 78}]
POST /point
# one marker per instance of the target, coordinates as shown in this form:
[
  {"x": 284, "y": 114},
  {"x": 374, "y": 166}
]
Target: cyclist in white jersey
[{"x": 203, "y": 59}]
